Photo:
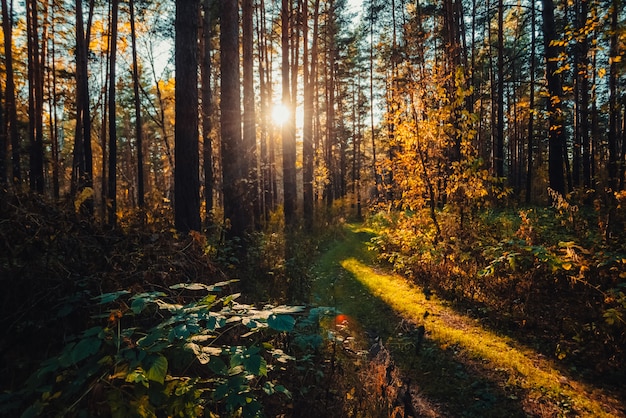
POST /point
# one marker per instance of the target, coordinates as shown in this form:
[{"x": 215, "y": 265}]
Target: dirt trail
[{"x": 457, "y": 367}]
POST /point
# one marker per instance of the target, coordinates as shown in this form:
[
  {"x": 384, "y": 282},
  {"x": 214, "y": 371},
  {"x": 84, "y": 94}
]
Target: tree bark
[
  {"x": 288, "y": 134},
  {"x": 138, "y": 122},
  {"x": 250, "y": 169},
  {"x": 499, "y": 151},
  {"x": 613, "y": 99},
  {"x": 232, "y": 160},
  {"x": 207, "y": 107},
  {"x": 556, "y": 145},
  {"x": 186, "y": 149},
  {"x": 531, "y": 113},
  {"x": 35, "y": 98},
  {"x": 13, "y": 137},
  {"x": 310, "y": 80},
  {"x": 112, "y": 186}
]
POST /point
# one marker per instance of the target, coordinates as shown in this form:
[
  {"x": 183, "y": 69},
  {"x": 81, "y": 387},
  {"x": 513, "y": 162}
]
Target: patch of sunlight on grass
[{"x": 526, "y": 369}]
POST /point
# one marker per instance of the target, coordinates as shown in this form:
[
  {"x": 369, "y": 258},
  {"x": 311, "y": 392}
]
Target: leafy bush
[
  {"x": 158, "y": 354},
  {"x": 534, "y": 272}
]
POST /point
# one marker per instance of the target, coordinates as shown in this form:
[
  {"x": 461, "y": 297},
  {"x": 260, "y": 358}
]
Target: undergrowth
[{"x": 551, "y": 277}]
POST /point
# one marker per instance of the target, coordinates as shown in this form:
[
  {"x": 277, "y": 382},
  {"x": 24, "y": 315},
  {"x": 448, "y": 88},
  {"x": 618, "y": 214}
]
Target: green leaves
[
  {"x": 135, "y": 356},
  {"x": 281, "y": 322},
  {"x": 158, "y": 370}
]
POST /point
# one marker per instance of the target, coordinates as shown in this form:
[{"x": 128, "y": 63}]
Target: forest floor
[{"x": 439, "y": 362}]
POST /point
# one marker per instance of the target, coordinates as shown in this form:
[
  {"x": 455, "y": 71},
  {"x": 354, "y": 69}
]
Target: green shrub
[{"x": 157, "y": 354}]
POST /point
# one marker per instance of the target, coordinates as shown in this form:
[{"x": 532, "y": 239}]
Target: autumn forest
[{"x": 313, "y": 208}]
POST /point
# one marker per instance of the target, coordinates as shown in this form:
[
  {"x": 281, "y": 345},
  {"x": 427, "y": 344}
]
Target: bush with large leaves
[{"x": 156, "y": 354}]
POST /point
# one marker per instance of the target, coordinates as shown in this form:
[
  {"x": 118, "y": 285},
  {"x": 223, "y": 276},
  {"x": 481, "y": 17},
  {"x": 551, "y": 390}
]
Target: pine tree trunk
[
  {"x": 207, "y": 108},
  {"x": 186, "y": 149},
  {"x": 138, "y": 122},
  {"x": 112, "y": 177},
  {"x": 556, "y": 145},
  {"x": 288, "y": 130},
  {"x": 250, "y": 169},
  {"x": 234, "y": 188}
]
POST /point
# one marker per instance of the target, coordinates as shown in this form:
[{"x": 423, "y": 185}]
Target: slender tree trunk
[
  {"x": 35, "y": 98},
  {"x": 86, "y": 111},
  {"x": 186, "y": 150},
  {"x": 138, "y": 122},
  {"x": 595, "y": 125},
  {"x": 556, "y": 144},
  {"x": 250, "y": 169},
  {"x": 622, "y": 166},
  {"x": 288, "y": 134},
  {"x": 53, "y": 116},
  {"x": 82, "y": 170},
  {"x": 531, "y": 113},
  {"x": 499, "y": 151},
  {"x": 10, "y": 105},
  {"x": 112, "y": 186},
  {"x": 584, "y": 99},
  {"x": 310, "y": 79},
  {"x": 232, "y": 160},
  {"x": 207, "y": 108},
  {"x": 371, "y": 86},
  {"x": 3, "y": 145},
  {"x": 103, "y": 129},
  {"x": 613, "y": 99},
  {"x": 264, "y": 86},
  {"x": 330, "y": 104}
]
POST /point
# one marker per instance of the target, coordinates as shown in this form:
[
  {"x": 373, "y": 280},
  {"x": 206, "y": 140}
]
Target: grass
[{"x": 520, "y": 376}]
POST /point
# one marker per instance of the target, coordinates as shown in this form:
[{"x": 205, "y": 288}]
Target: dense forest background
[
  {"x": 409, "y": 103},
  {"x": 145, "y": 144}
]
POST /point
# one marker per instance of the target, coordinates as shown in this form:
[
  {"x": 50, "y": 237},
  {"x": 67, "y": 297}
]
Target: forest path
[{"x": 461, "y": 368}]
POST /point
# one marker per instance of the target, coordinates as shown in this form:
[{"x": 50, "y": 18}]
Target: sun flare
[{"x": 280, "y": 114}]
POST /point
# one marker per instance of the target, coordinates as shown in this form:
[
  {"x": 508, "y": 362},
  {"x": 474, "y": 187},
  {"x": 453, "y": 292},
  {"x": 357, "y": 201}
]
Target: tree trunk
[
  {"x": 232, "y": 160},
  {"x": 35, "y": 98},
  {"x": 3, "y": 145},
  {"x": 499, "y": 151},
  {"x": 138, "y": 122},
  {"x": 584, "y": 99},
  {"x": 250, "y": 169},
  {"x": 288, "y": 130},
  {"x": 613, "y": 96},
  {"x": 13, "y": 137},
  {"x": 310, "y": 79},
  {"x": 207, "y": 108},
  {"x": 186, "y": 149},
  {"x": 371, "y": 86},
  {"x": 556, "y": 145},
  {"x": 531, "y": 112},
  {"x": 330, "y": 104},
  {"x": 112, "y": 186},
  {"x": 264, "y": 85},
  {"x": 53, "y": 117}
]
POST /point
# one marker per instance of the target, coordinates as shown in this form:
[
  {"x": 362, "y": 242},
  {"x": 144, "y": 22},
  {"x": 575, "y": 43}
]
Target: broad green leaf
[
  {"x": 256, "y": 365},
  {"x": 138, "y": 305},
  {"x": 281, "y": 322},
  {"x": 283, "y": 390},
  {"x": 158, "y": 370},
  {"x": 109, "y": 297},
  {"x": 85, "y": 348},
  {"x": 179, "y": 332},
  {"x": 138, "y": 376},
  {"x": 217, "y": 366},
  {"x": 283, "y": 309},
  {"x": 190, "y": 286}
]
